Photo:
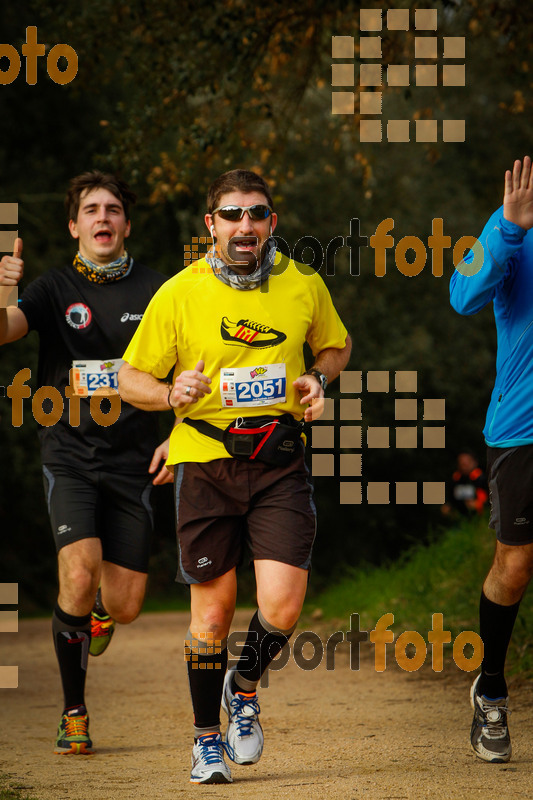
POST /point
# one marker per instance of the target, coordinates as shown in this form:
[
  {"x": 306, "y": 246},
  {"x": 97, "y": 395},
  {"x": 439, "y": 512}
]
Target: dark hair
[
  {"x": 470, "y": 454},
  {"x": 466, "y": 451},
  {"x": 236, "y": 180},
  {"x": 98, "y": 180}
]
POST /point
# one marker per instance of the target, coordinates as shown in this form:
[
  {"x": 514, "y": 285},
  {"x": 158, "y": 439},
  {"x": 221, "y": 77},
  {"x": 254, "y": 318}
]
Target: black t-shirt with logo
[{"x": 77, "y": 321}]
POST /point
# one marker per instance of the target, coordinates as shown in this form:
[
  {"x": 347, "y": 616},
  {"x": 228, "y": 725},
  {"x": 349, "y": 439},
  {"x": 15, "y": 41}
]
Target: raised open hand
[{"x": 518, "y": 195}]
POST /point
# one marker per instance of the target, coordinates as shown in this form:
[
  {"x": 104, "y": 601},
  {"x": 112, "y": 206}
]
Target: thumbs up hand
[{"x": 12, "y": 267}]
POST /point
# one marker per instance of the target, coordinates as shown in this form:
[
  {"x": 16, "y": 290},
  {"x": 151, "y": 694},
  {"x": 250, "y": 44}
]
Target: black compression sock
[
  {"x": 262, "y": 645},
  {"x": 206, "y": 669},
  {"x": 72, "y": 637},
  {"x": 496, "y": 624}
]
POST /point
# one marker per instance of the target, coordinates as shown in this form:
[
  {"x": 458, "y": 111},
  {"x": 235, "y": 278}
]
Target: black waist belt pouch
[{"x": 273, "y": 440}]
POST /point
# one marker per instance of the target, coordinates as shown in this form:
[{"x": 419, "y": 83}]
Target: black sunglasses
[{"x": 235, "y": 213}]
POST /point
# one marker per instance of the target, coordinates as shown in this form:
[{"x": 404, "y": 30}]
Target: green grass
[
  {"x": 445, "y": 576},
  {"x": 10, "y": 793}
]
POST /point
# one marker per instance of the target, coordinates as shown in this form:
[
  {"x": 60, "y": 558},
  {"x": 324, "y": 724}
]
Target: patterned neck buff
[
  {"x": 250, "y": 281},
  {"x": 110, "y": 272}
]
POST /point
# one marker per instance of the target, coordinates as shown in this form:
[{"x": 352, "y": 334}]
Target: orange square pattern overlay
[
  {"x": 346, "y": 410},
  {"x": 427, "y": 47}
]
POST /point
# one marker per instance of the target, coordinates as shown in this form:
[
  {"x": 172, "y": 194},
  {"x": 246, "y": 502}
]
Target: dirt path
[{"x": 329, "y": 734}]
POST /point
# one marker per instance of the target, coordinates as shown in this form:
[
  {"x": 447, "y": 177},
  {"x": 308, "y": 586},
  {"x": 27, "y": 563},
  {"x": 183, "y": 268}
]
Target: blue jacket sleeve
[{"x": 501, "y": 240}]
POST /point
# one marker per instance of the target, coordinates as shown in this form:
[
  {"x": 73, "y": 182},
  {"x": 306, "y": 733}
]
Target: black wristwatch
[{"x": 321, "y": 378}]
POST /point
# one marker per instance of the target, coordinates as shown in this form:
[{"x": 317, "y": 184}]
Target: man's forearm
[
  {"x": 13, "y": 324},
  {"x": 333, "y": 360},
  {"x": 142, "y": 390}
]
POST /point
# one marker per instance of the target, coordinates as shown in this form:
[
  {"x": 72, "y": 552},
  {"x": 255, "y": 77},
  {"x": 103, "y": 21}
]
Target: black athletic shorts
[
  {"x": 510, "y": 474},
  {"x": 110, "y": 506},
  {"x": 225, "y": 504}
]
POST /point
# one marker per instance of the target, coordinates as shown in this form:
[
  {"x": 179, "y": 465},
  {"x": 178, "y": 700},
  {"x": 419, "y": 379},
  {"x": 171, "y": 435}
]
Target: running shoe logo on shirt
[{"x": 248, "y": 333}]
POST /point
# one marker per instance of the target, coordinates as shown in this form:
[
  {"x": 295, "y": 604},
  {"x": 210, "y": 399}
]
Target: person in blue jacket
[{"x": 504, "y": 278}]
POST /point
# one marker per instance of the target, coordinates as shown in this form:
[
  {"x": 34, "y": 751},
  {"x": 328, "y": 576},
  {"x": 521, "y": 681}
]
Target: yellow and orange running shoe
[
  {"x": 102, "y": 629},
  {"x": 73, "y": 733}
]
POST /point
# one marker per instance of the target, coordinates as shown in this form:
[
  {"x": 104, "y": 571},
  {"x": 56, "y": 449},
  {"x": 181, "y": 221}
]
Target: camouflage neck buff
[
  {"x": 251, "y": 281},
  {"x": 110, "y": 272}
]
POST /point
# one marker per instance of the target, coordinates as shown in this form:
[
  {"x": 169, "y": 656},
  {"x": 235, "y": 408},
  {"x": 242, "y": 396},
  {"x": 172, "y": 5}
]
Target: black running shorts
[
  {"x": 110, "y": 506},
  {"x": 225, "y": 504},
  {"x": 510, "y": 474}
]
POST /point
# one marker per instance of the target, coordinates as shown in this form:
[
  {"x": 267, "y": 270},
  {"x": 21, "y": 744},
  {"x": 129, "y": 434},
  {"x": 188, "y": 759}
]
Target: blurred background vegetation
[{"x": 170, "y": 94}]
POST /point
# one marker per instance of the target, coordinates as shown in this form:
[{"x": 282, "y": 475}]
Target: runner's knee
[
  {"x": 125, "y": 602},
  {"x": 125, "y": 615},
  {"x": 282, "y": 615},
  {"x": 79, "y": 582},
  {"x": 215, "y": 619},
  {"x": 513, "y": 569}
]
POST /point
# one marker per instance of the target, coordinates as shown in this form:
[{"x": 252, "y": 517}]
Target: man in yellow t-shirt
[{"x": 232, "y": 326}]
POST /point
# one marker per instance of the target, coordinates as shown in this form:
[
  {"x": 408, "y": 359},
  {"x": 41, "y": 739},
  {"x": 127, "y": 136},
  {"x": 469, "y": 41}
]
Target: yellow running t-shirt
[{"x": 250, "y": 340}]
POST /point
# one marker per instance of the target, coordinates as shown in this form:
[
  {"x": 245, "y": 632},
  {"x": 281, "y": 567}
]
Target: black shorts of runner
[
  {"x": 112, "y": 507},
  {"x": 225, "y": 504},
  {"x": 510, "y": 474}
]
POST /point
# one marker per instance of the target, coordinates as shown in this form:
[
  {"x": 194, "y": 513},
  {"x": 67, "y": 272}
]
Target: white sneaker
[
  {"x": 244, "y": 736},
  {"x": 489, "y": 735},
  {"x": 208, "y": 765}
]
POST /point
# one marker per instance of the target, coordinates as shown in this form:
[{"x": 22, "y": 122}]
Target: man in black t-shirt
[{"x": 97, "y": 452}]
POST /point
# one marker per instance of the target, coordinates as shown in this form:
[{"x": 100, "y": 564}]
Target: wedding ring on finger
[{"x": 188, "y": 390}]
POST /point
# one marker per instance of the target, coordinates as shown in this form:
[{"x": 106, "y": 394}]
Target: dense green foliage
[
  {"x": 172, "y": 93},
  {"x": 443, "y": 577}
]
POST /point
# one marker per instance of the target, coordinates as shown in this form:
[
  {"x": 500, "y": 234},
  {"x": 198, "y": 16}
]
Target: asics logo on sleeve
[{"x": 248, "y": 333}]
